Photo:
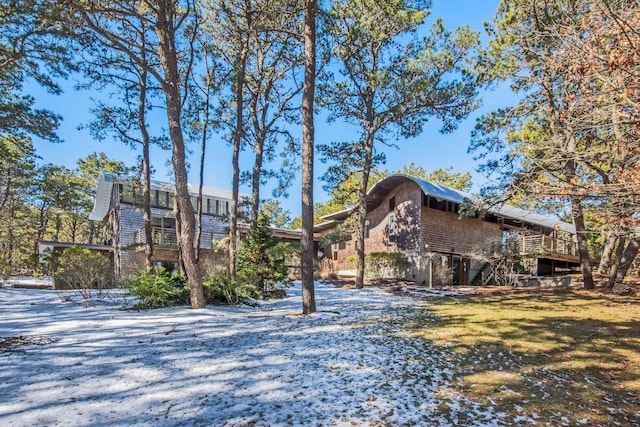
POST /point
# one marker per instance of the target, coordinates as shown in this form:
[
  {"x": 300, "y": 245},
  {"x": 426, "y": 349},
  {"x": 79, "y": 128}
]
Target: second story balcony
[
  {"x": 166, "y": 237},
  {"x": 547, "y": 246}
]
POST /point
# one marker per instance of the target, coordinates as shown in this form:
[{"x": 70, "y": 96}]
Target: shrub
[
  {"x": 84, "y": 271},
  {"x": 352, "y": 260},
  {"x": 158, "y": 289},
  {"x": 261, "y": 260},
  {"x": 382, "y": 264},
  {"x": 5, "y": 268},
  {"x": 386, "y": 264},
  {"x": 223, "y": 289}
]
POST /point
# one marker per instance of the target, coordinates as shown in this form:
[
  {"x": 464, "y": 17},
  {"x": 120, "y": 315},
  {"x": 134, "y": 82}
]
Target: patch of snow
[
  {"x": 28, "y": 281},
  {"x": 349, "y": 364}
]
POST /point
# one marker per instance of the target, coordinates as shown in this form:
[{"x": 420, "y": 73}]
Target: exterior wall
[
  {"x": 406, "y": 237},
  {"x": 446, "y": 232},
  {"x": 213, "y": 229},
  {"x": 130, "y": 219},
  {"x": 408, "y": 198},
  {"x": 130, "y": 262},
  {"x": 428, "y": 237}
]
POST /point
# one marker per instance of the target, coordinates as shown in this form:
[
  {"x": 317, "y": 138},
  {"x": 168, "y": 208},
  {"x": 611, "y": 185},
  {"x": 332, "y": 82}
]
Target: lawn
[
  {"x": 545, "y": 357},
  {"x": 367, "y": 358}
]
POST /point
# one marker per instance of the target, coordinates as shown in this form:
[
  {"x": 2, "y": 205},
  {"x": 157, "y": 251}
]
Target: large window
[{"x": 161, "y": 199}]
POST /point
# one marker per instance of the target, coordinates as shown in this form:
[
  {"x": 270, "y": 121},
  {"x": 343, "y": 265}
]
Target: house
[
  {"x": 442, "y": 243},
  {"x": 118, "y": 204}
]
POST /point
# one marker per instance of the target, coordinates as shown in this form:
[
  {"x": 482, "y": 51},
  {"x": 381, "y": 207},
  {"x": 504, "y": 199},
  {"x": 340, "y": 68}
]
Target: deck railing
[
  {"x": 541, "y": 244},
  {"x": 167, "y": 237}
]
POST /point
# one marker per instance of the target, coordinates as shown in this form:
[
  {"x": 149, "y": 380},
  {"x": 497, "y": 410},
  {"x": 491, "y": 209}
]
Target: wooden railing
[
  {"x": 541, "y": 244},
  {"x": 167, "y": 237}
]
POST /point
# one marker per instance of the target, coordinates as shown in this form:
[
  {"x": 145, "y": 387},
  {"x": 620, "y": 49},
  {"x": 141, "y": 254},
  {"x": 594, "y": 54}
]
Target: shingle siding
[
  {"x": 419, "y": 233},
  {"x": 131, "y": 220},
  {"x": 447, "y": 232}
]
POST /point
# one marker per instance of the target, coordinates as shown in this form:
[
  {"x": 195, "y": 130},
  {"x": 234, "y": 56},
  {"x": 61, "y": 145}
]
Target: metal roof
[
  {"x": 382, "y": 188},
  {"x": 106, "y": 180}
]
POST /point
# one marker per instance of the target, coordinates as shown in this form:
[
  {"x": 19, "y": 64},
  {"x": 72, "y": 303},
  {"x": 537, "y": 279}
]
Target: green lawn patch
[{"x": 544, "y": 357}]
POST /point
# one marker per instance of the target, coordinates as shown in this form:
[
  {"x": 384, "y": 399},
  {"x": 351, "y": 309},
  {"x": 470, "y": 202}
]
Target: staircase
[{"x": 483, "y": 277}]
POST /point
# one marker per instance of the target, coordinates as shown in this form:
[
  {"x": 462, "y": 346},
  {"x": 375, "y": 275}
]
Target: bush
[
  {"x": 352, "y": 260},
  {"x": 387, "y": 264},
  {"x": 158, "y": 289},
  {"x": 84, "y": 271},
  {"x": 223, "y": 289},
  {"x": 5, "y": 269},
  {"x": 261, "y": 260},
  {"x": 382, "y": 264}
]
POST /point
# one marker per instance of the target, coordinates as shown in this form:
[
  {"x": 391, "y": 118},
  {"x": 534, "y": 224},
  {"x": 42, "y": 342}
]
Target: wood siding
[
  {"x": 419, "y": 231},
  {"x": 446, "y": 232}
]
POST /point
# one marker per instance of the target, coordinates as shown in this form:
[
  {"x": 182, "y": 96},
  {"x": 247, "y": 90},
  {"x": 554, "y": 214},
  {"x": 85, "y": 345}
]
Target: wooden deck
[{"x": 548, "y": 247}]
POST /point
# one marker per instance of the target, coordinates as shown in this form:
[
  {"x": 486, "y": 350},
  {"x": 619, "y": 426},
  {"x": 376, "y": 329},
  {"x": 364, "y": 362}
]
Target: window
[
  {"x": 217, "y": 212},
  {"x": 392, "y": 203},
  {"x": 163, "y": 199},
  {"x": 431, "y": 202},
  {"x": 392, "y": 224},
  {"x": 208, "y": 205},
  {"x": 366, "y": 229}
]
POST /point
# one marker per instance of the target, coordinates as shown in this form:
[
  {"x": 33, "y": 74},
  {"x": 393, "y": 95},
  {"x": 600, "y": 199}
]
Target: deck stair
[{"x": 483, "y": 277}]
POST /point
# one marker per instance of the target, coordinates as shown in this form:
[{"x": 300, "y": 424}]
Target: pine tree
[{"x": 261, "y": 258}]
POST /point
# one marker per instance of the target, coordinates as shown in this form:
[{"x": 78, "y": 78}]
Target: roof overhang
[
  {"x": 45, "y": 245},
  {"x": 377, "y": 194},
  {"x": 102, "y": 202}
]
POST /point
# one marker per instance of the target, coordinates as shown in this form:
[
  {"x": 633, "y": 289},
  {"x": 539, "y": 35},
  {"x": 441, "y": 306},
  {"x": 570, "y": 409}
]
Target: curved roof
[
  {"x": 382, "y": 188},
  {"x": 103, "y": 196}
]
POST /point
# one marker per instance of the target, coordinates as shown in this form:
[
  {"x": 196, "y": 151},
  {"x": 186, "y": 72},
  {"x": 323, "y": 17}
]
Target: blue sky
[{"x": 431, "y": 149}]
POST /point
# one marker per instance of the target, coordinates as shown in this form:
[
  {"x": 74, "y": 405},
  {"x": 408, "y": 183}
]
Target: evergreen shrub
[
  {"x": 261, "y": 260},
  {"x": 223, "y": 289},
  {"x": 160, "y": 288}
]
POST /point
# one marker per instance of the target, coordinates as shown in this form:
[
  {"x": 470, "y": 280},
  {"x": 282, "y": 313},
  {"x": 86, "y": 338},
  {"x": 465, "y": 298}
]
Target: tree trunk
[
  {"x": 628, "y": 256},
  {"x": 56, "y": 233},
  {"x": 583, "y": 247},
  {"x": 613, "y": 270},
  {"x": 255, "y": 180},
  {"x": 308, "y": 133},
  {"x": 607, "y": 251},
  {"x": 203, "y": 149},
  {"x": 185, "y": 220},
  {"x": 362, "y": 215},
  {"x": 235, "y": 161},
  {"x": 146, "y": 173},
  {"x": 362, "y": 206},
  {"x": 92, "y": 231},
  {"x": 561, "y": 131}
]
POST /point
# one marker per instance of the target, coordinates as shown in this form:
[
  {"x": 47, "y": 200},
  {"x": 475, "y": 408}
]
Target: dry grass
[
  {"x": 15, "y": 344},
  {"x": 545, "y": 357}
]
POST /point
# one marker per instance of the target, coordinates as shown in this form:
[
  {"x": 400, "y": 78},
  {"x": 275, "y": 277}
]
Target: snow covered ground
[{"x": 350, "y": 364}]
